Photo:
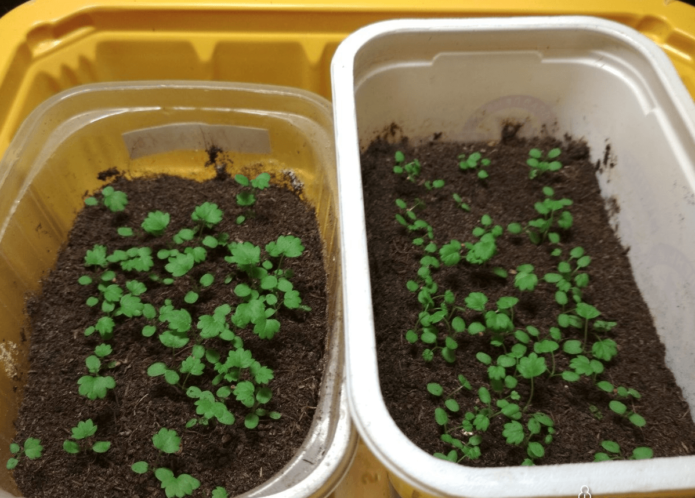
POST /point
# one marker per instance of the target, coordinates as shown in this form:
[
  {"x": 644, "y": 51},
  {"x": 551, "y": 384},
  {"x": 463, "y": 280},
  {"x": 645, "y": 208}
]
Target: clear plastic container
[
  {"x": 464, "y": 78},
  {"x": 149, "y": 128}
]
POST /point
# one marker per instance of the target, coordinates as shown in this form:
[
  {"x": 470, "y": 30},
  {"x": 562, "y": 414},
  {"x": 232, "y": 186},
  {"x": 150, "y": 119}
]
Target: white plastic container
[
  {"x": 591, "y": 78},
  {"x": 165, "y": 127}
]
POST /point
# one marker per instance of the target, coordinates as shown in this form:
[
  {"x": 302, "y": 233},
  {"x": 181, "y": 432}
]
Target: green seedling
[
  {"x": 430, "y": 318},
  {"x": 240, "y": 364},
  {"x": 84, "y": 430},
  {"x": 156, "y": 223},
  {"x": 525, "y": 279},
  {"x": 134, "y": 259},
  {"x": 614, "y": 452},
  {"x": 410, "y": 220},
  {"x": 168, "y": 442},
  {"x": 219, "y": 492},
  {"x": 206, "y": 215},
  {"x": 515, "y": 435},
  {"x": 539, "y": 165},
  {"x": 210, "y": 406},
  {"x": 125, "y": 231},
  {"x": 254, "y": 398},
  {"x": 475, "y": 161},
  {"x": 216, "y": 325},
  {"x": 530, "y": 367},
  {"x": 595, "y": 412},
  {"x": 104, "y": 326},
  {"x": 115, "y": 200},
  {"x": 32, "y": 449},
  {"x": 192, "y": 365},
  {"x": 478, "y": 252},
  {"x": 247, "y": 198},
  {"x": 621, "y": 409},
  {"x": 95, "y": 386},
  {"x": 179, "y": 322},
  {"x": 429, "y": 185},
  {"x": 483, "y": 250},
  {"x": 459, "y": 202},
  {"x": 412, "y": 169},
  {"x": 569, "y": 280},
  {"x": 552, "y": 214}
]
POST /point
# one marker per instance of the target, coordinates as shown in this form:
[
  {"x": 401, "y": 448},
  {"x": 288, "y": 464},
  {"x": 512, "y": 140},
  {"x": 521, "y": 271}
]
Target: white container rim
[{"x": 369, "y": 413}]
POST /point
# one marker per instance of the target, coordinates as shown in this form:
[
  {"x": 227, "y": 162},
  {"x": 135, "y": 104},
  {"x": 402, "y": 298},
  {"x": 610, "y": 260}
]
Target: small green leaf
[
  {"x": 572, "y": 347},
  {"x": 139, "y": 467},
  {"x": 642, "y": 452},
  {"x": 71, "y": 447},
  {"x": 617, "y": 407},
  {"x": 115, "y": 200},
  {"x": 476, "y": 301},
  {"x": 167, "y": 440},
  {"x": 513, "y": 432},
  {"x": 483, "y": 358},
  {"x": 587, "y": 311},
  {"x": 440, "y": 416},
  {"x": 610, "y": 446},
  {"x": 531, "y": 366},
  {"x": 535, "y": 450},
  {"x": 435, "y": 389},
  {"x": 101, "y": 446},
  {"x": 33, "y": 448},
  {"x": 484, "y": 395},
  {"x": 155, "y": 223},
  {"x": 637, "y": 420},
  {"x": 84, "y": 429}
]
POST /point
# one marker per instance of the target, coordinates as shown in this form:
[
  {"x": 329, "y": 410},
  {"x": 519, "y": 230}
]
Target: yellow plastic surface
[{"x": 47, "y": 46}]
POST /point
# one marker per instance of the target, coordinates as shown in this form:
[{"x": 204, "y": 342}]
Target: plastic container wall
[
  {"x": 152, "y": 128},
  {"x": 594, "y": 79}
]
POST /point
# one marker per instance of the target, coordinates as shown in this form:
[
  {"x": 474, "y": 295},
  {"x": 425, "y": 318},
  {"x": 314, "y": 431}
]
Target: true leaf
[{"x": 167, "y": 440}]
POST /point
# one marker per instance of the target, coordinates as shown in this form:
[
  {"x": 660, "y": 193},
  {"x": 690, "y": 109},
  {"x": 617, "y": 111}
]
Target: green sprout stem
[{"x": 530, "y": 396}]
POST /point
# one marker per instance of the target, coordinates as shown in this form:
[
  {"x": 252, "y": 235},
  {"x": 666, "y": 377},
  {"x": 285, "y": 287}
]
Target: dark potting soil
[
  {"x": 508, "y": 196},
  {"x": 233, "y": 457}
]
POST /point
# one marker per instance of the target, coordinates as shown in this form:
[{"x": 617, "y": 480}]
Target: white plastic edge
[{"x": 370, "y": 415}]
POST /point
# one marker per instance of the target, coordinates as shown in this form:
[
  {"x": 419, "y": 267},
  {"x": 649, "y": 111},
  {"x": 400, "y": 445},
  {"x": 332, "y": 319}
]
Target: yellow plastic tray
[{"x": 47, "y": 46}]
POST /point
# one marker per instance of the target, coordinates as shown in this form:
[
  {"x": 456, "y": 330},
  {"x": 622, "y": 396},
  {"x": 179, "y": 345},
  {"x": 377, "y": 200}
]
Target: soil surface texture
[
  {"x": 508, "y": 196},
  {"x": 230, "y": 456}
]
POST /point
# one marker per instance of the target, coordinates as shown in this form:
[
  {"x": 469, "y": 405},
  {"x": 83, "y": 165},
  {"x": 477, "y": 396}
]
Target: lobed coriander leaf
[
  {"x": 95, "y": 387},
  {"x": 156, "y": 223},
  {"x": 84, "y": 429},
  {"x": 286, "y": 245},
  {"x": 167, "y": 441},
  {"x": 207, "y": 213}
]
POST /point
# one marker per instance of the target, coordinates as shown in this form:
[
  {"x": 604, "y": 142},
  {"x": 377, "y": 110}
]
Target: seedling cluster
[
  {"x": 196, "y": 346},
  {"x": 524, "y": 352}
]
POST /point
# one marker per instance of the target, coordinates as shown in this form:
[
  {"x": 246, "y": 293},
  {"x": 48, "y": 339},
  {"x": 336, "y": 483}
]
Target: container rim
[{"x": 369, "y": 413}]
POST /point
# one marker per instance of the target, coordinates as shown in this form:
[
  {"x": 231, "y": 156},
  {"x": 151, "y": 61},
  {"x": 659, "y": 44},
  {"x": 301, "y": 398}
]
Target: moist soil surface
[
  {"x": 508, "y": 196},
  {"x": 233, "y": 457}
]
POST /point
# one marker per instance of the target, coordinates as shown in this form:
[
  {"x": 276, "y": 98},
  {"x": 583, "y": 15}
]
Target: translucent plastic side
[
  {"x": 465, "y": 79},
  {"x": 55, "y": 159}
]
